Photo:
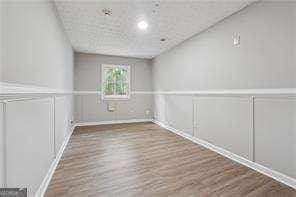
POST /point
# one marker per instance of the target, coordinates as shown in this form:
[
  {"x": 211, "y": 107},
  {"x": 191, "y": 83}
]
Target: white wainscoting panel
[
  {"x": 63, "y": 116},
  {"x": 94, "y": 109},
  {"x": 2, "y": 159},
  {"x": 226, "y": 122},
  {"x": 30, "y": 142},
  {"x": 137, "y": 107},
  {"x": 179, "y": 112},
  {"x": 160, "y": 108},
  {"x": 91, "y": 108},
  {"x": 77, "y": 111},
  {"x": 275, "y": 134}
]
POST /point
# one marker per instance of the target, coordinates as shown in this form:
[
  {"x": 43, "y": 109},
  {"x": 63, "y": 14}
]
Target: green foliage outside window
[{"x": 115, "y": 81}]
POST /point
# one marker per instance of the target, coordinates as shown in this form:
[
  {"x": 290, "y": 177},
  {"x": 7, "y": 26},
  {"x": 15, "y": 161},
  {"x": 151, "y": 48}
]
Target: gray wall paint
[
  {"x": 264, "y": 59},
  {"x": 87, "y": 77},
  {"x": 88, "y": 71},
  {"x": 1, "y": 41},
  {"x": 37, "y": 51}
]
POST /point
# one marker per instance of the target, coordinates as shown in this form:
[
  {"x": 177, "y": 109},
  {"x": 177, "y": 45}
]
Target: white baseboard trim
[
  {"x": 255, "y": 166},
  {"x": 43, "y": 186},
  {"x": 112, "y": 122}
]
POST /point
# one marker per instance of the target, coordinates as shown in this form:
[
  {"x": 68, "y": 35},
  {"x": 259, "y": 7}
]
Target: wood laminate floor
[{"x": 142, "y": 159}]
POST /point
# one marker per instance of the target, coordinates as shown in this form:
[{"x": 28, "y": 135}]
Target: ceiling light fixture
[{"x": 142, "y": 25}]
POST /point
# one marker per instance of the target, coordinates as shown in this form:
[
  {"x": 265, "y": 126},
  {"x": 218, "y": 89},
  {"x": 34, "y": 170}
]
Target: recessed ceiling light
[
  {"x": 142, "y": 25},
  {"x": 162, "y": 39}
]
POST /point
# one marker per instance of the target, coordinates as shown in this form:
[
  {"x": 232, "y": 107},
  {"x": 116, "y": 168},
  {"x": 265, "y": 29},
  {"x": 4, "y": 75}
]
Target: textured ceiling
[{"x": 91, "y": 31}]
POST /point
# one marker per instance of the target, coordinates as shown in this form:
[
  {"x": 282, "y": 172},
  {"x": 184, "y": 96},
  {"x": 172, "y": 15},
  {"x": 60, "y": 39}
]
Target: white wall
[
  {"x": 262, "y": 130},
  {"x": 37, "y": 54},
  {"x": 2, "y": 168},
  {"x": 90, "y": 108},
  {"x": 88, "y": 71}
]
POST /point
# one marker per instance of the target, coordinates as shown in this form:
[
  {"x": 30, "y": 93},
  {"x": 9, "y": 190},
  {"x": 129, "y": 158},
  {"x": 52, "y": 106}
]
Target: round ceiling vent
[{"x": 107, "y": 12}]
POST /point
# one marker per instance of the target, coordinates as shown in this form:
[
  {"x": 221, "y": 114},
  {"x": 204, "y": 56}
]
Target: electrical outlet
[
  {"x": 147, "y": 112},
  {"x": 111, "y": 107}
]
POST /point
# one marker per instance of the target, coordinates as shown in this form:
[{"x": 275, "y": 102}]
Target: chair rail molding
[{"x": 16, "y": 89}]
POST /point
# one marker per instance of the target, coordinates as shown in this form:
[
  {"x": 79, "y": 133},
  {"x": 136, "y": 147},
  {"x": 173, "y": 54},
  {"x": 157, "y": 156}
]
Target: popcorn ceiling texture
[{"x": 91, "y": 31}]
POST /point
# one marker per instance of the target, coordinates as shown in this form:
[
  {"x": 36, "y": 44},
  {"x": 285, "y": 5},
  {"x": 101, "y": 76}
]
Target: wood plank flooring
[{"x": 142, "y": 159}]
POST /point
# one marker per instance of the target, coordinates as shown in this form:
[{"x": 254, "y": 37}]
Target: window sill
[{"x": 115, "y": 98}]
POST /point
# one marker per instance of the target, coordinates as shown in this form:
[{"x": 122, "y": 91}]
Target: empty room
[{"x": 154, "y": 98}]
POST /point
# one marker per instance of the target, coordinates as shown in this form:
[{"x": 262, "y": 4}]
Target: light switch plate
[{"x": 236, "y": 40}]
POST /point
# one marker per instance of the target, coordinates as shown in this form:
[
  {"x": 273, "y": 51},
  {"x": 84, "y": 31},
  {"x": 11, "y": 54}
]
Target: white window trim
[{"x": 115, "y": 97}]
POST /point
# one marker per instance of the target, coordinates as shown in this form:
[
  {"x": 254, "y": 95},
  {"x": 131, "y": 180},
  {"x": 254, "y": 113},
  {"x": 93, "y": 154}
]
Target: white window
[{"x": 115, "y": 82}]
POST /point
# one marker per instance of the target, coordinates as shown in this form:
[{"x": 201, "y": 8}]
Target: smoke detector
[{"x": 107, "y": 12}]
